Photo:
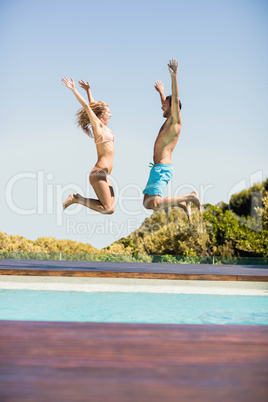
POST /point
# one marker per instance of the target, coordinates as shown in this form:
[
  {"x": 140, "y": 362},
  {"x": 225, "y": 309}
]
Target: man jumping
[{"x": 162, "y": 169}]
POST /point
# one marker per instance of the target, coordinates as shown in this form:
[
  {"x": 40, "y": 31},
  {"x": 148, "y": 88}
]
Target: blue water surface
[{"x": 159, "y": 308}]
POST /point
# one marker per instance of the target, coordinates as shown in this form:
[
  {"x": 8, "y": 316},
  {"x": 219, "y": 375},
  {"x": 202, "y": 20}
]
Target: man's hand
[
  {"x": 68, "y": 84},
  {"x": 159, "y": 86},
  {"x": 84, "y": 85},
  {"x": 173, "y": 66}
]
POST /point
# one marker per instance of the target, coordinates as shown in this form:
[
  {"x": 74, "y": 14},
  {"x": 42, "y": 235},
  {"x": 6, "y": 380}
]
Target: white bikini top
[{"x": 106, "y": 137}]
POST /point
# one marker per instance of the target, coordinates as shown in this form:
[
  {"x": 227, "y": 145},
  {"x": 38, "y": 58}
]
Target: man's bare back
[{"x": 166, "y": 141}]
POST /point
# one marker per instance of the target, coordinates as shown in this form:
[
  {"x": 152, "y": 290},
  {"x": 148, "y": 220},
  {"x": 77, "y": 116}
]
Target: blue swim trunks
[{"x": 159, "y": 177}]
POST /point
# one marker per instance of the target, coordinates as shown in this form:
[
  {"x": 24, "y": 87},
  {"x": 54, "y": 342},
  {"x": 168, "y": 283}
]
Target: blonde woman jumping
[{"x": 94, "y": 116}]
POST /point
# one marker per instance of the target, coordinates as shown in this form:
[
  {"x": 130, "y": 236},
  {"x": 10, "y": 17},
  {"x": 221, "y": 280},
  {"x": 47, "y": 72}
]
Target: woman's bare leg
[
  {"x": 91, "y": 203},
  {"x": 104, "y": 191}
]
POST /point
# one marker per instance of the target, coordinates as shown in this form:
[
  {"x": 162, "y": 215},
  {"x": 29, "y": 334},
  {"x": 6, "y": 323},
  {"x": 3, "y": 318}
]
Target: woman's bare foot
[
  {"x": 72, "y": 199},
  {"x": 186, "y": 206},
  {"x": 195, "y": 200}
]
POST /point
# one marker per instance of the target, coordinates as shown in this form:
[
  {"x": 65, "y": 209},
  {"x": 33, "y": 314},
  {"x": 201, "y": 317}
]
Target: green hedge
[{"x": 134, "y": 258}]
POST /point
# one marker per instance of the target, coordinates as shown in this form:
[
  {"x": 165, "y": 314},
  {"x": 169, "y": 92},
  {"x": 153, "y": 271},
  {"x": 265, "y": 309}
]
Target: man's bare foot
[
  {"x": 195, "y": 200},
  {"x": 72, "y": 199},
  {"x": 186, "y": 206}
]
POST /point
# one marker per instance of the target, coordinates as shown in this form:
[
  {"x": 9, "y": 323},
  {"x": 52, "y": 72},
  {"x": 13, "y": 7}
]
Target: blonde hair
[{"x": 82, "y": 119}]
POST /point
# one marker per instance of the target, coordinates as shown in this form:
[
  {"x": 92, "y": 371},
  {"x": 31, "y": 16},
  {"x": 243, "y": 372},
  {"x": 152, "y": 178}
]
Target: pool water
[{"x": 162, "y": 308}]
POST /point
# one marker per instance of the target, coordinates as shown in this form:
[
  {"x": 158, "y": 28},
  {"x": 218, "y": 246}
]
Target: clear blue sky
[{"x": 122, "y": 48}]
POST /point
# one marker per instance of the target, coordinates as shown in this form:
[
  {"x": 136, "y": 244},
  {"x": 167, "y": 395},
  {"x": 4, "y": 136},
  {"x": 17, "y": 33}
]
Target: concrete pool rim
[{"x": 84, "y": 284}]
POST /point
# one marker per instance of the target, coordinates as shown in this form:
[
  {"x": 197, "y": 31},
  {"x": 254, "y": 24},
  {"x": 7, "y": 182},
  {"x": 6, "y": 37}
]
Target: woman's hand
[
  {"x": 84, "y": 85},
  {"x": 68, "y": 84},
  {"x": 159, "y": 86},
  {"x": 173, "y": 67}
]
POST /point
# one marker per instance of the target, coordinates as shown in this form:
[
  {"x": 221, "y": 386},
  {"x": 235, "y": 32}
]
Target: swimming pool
[{"x": 133, "y": 307}]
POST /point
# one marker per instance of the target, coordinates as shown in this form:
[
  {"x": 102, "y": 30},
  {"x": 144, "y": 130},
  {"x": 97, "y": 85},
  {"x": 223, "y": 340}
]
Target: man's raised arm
[
  {"x": 175, "y": 104},
  {"x": 159, "y": 86}
]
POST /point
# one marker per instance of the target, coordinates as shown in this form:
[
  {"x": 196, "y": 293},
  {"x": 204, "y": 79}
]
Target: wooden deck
[
  {"x": 134, "y": 270},
  {"x": 61, "y": 361},
  {"x": 41, "y": 361}
]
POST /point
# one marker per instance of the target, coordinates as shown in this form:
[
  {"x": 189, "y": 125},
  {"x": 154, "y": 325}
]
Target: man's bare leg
[
  {"x": 157, "y": 203},
  {"x": 186, "y": 206},
  {"x": 176, "y": 201},
  {"x": 91, "y": 203}
]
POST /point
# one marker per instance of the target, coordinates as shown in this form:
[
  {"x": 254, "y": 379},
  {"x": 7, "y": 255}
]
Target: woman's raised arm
[
  {"x": 94, "y": 121},
  {"x": 87, "y": 88}
]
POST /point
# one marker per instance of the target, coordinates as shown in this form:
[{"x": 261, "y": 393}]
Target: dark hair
[{"x": 169, "y": 99}]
